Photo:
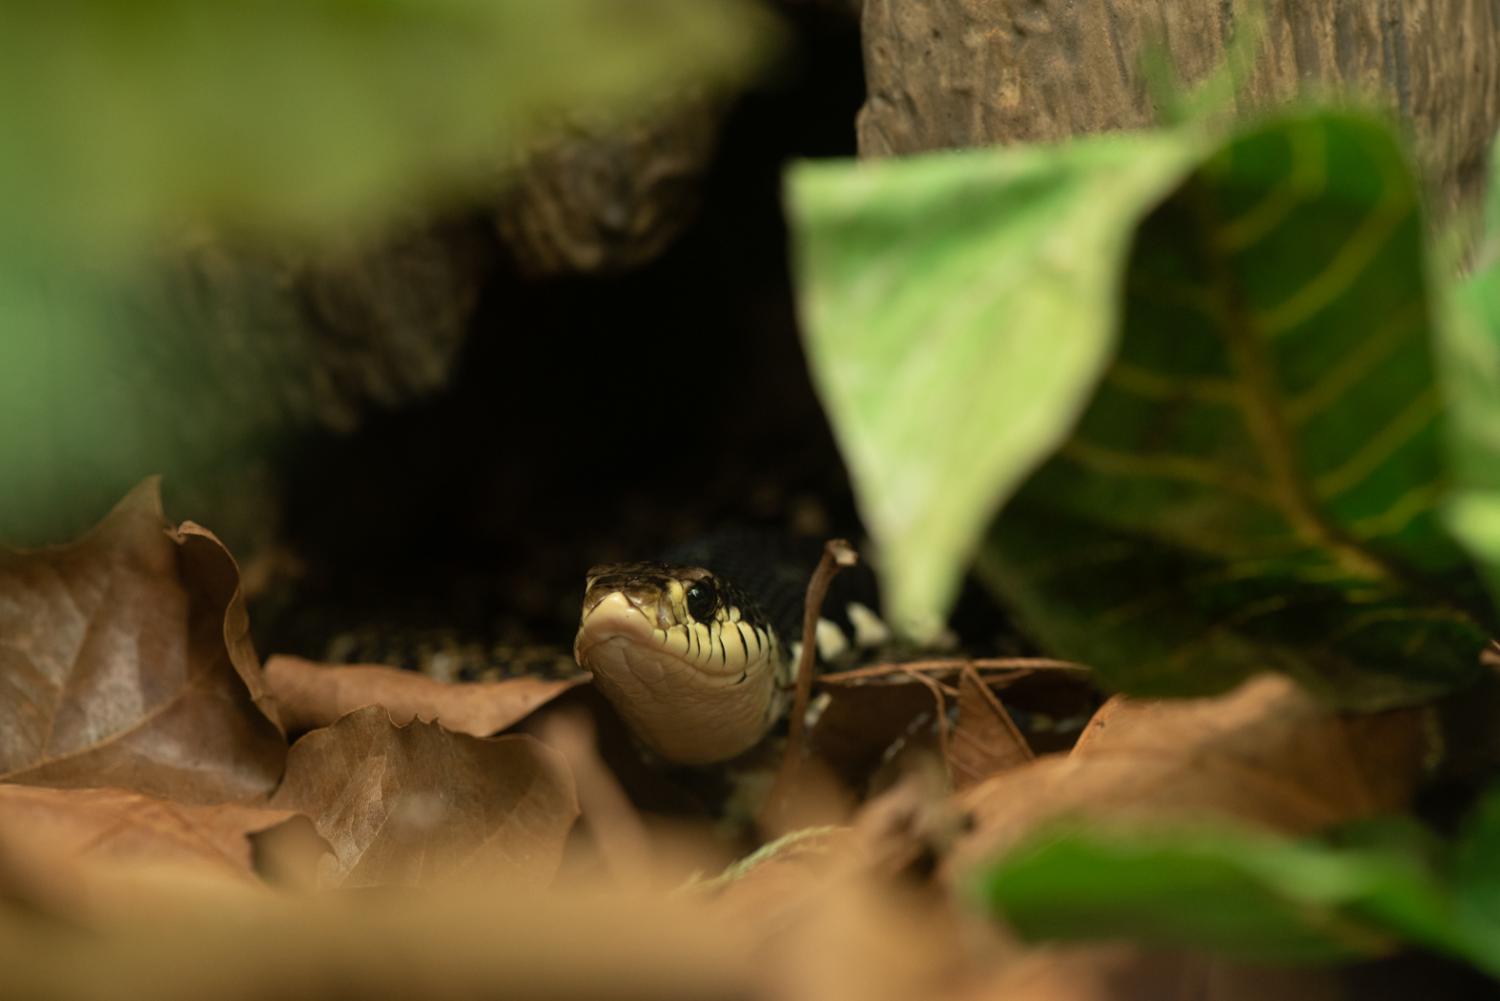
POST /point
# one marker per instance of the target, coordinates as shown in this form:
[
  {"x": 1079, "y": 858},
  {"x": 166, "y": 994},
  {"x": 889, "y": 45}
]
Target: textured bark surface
[
  {"x": 974, "y": 72},
  {"x": 293, "y": 341},
  {"x": 609, "y": 199}
]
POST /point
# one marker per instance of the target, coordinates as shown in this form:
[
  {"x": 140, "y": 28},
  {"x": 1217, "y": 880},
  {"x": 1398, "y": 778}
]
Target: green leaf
[
  {"x": 124, "y": 119},
  {"x": 1475, "y": 877},
  {"x": 958, "y": 309},
  {"x": 1257, "y": 483},
  {"x": 1470, "y": 355},
  {"x": 1259, "y": 896}
]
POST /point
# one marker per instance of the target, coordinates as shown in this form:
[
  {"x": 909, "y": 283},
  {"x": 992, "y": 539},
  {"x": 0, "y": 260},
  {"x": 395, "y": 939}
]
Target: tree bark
[{"x": 975, "y": 72}]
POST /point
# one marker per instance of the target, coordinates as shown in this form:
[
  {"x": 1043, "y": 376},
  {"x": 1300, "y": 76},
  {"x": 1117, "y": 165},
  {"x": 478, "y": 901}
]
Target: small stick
[
  {"x": 954, "y": 665},
  {"x": 837, "y": 554}
]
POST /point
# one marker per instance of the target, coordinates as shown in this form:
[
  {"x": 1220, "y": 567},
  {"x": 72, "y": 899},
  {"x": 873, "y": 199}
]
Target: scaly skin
[{"x": 690, "y": 662}]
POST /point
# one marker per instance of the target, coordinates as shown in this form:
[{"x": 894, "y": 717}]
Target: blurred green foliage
[
  {"x": 131, "y": 128},
  {"x": 1362, "y": 893},
  {"x": 124, "y": 121},
  {"x": 1471, "y": 359}
]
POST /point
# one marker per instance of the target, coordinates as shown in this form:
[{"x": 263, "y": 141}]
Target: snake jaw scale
[{"x": 683, "y": 685}]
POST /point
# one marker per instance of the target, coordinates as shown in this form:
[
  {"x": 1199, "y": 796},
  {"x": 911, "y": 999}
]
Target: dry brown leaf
[
  {"x": 476, "y": 941},
  {"x": 832, "y": 918},
  {"x": 876, "y": 715},
  {"x": 985, "y": 740},
  {"x": 125, "y": 662},
  {"x": 618, "y": 834},
  {"x": 1267, "y": 754},
  {"x": 768, "y": 888},
  {"x": 113, "y": 826},
  {"x": 420, "y": 804},
  {"x": 1128, "y": 973},
  {"x": 865, "y": 718},
  {"x": 313, "y": 695},
  {"x": 861, "y": 940},
  {"x": 811, "y": 924}
]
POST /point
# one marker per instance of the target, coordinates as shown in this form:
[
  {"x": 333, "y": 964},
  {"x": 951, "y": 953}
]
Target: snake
[{"x": 698, "y": 653}]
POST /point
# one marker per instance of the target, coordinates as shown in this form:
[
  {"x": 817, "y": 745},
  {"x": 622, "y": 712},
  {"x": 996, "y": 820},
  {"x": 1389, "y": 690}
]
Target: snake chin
[{"x": 676, "y": 706}]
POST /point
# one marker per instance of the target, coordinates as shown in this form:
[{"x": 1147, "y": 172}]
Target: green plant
[{"x": 1194, "y": 407}]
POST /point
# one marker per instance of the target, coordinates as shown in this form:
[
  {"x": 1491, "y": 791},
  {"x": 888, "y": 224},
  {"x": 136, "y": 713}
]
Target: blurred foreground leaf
[
  {"x": 958, "y": 309},
  {"x": 1261, "y": 896},
  {"x": 132, "y": 129},
  {"x": 124, "y": 121},
  {"x": 1472, "y": 372},
  {"x": 1254, "y": 483}
]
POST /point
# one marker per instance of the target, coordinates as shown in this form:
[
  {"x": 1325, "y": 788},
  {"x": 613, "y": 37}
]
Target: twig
[
  {"x": 941, "y": 719},
  {"x": 952, "y": 665},
  {"x": 837, "y": 554}
]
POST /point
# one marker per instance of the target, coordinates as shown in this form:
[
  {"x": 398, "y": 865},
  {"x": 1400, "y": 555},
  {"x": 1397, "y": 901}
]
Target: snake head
[{"x": 688, "y": 662}]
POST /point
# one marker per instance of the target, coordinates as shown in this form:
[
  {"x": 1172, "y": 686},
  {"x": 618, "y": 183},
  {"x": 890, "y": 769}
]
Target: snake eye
[{"x": 702, "y": 600}]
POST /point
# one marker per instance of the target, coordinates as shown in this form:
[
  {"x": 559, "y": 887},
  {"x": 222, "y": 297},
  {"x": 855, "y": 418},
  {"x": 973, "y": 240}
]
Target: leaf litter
[
  {"x": 140, "y": 729},
  {"x": 421, "y": 804},
  {"x": 314, "y": 695},
  {"x": 124, "y": 662}
]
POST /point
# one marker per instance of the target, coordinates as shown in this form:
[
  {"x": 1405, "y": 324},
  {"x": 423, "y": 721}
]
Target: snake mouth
[
  {"x": 691, "y": 700},
  {"x": 723, "y": 653}
]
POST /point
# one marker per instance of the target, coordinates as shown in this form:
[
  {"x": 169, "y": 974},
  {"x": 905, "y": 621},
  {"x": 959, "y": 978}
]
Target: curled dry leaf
[
  {"x": 313, "y": 695},
  {"x": 420, "y": 804},
  {"x": 72, "y": 828},
  {"x": 125, "y": 661},
  {"x": 875, "y": 713},
  {"x": 985, "y": 740},
  {"x": 864, "y": 719},
  {"x": 1267, "y": 754}
]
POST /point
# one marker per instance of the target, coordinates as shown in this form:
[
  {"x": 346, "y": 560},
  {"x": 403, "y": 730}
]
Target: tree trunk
[{"x": 975, "y": 72}]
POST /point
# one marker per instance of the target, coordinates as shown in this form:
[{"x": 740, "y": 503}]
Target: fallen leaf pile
[{"x": 161, "y": 836}]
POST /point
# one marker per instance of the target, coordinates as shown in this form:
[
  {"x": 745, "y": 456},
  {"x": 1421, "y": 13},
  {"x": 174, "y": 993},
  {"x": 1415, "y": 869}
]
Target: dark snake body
[{"x": 771, "y": 569}]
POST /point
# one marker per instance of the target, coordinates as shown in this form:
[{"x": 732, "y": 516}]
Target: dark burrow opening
[{"x": 589, "y": 419}]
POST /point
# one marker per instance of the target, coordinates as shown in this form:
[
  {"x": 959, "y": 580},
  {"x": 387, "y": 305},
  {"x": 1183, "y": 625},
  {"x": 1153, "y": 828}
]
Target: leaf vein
[{"x": 1413, "y": 418}]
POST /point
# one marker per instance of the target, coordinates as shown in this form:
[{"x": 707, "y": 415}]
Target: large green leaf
[
  {"x": 1257, "y": 483},
  {"x": 124, "y": 118},
  {"x": 1471, "y": 369},
  {"x": 958, "y": 308},
  {"x": 1386, "y": 884}
]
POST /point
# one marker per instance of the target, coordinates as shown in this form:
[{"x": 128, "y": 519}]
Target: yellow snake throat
[{"x": 689, "y": 662}]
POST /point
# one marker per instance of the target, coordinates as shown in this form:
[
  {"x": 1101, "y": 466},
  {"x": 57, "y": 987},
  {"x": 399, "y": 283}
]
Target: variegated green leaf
[{"x": 1257, "y": 483}]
